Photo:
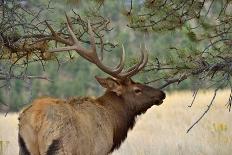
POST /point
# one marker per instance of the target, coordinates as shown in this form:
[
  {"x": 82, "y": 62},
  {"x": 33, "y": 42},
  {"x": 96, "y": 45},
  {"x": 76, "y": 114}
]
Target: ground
[{"x": 162, "y": 129}]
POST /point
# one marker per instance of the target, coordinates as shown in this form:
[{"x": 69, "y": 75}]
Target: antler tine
[
  {"x": 133, "y": 68},
  {"x": 121, "y": 64},
  {"x": 96, "y": 60},
  {"x": 70, "y": 30},
  {"x": 144, "y": 50},
  {"x": 136, "y": 68}
]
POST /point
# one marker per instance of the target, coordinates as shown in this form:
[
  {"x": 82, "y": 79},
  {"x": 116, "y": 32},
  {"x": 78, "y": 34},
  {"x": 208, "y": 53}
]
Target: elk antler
[{"x": 91, "y": 54}]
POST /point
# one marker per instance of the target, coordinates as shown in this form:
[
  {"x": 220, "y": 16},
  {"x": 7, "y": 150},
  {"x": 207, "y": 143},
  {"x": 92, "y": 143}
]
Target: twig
[
  {"x": 178, "y": 80},
  {"x": 228, "y": 105},
  {"x": 208, "y": 107},
  {"x": 194, "y": 97}
]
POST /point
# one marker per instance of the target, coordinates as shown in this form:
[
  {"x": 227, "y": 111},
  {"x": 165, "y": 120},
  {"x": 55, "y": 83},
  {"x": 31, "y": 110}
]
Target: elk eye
[{"x": 137, "y": 91}]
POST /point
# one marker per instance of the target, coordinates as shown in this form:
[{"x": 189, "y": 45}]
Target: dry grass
[
  {"x": 9, "y": 134},
  {"x": 162, "y": 130}
]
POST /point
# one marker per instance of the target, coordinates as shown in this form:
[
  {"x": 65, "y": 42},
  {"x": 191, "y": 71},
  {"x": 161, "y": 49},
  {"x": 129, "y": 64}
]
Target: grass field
[{"x": 162, "y": 130}]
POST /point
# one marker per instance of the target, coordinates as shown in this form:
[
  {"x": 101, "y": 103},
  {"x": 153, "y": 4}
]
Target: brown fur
[{"x": 85, "y": 125}]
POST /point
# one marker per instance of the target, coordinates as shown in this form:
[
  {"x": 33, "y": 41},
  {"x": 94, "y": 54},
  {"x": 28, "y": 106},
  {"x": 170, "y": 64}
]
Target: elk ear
[{"x": 110, "y": 84}]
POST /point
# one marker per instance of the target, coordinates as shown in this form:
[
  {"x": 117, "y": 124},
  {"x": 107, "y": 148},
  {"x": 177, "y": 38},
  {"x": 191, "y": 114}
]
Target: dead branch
[{"x": 207, "y": 109}]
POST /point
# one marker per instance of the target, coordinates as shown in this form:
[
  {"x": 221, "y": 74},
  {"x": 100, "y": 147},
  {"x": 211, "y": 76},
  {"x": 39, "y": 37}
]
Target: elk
[{"x": 87, "y": 125}]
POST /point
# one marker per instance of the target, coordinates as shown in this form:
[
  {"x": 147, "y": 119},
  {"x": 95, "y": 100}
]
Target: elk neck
[{"x": 121, "y": 114}]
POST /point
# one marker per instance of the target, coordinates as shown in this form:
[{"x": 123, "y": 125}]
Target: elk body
[{"x": 86, "y": 125}]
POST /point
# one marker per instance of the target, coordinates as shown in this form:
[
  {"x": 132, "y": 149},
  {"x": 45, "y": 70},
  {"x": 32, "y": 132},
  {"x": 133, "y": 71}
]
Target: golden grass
[
  {"x": 162, "y": 130},
  {"x": 9, "y": 134}
]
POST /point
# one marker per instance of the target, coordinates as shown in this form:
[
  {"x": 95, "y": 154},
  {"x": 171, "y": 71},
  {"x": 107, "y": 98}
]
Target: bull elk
[{"x": 87, "y": 125}]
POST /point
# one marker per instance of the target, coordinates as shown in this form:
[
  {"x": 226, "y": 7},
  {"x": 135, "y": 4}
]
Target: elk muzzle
[{"x": 158, "y": 99}]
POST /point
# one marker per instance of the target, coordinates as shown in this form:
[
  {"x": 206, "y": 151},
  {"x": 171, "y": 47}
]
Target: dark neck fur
[{"x": 122, "y": 116}]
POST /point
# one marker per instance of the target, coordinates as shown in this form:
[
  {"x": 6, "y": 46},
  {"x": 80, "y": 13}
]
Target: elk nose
[{"x": 162, "y": 95}]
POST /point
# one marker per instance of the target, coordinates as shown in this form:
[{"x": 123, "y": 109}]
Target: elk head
[
  {"x": 137, "y": 96},
  {"x": 121, "y": 83}
]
